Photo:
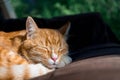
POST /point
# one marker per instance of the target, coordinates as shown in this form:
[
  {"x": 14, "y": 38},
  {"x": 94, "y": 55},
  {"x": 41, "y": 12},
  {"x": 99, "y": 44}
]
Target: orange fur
[{"x": 33, "y": 48}]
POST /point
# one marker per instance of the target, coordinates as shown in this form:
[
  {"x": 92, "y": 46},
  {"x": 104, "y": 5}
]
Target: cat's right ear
[
  {"x": 65, "y": 29},
  {"x": 31, "y": 27}
]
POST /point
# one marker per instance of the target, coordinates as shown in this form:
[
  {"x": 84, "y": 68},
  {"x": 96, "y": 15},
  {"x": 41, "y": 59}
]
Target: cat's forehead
[
  {"x": 49, "y": 37},
  {"x": 50, "y": 32}
]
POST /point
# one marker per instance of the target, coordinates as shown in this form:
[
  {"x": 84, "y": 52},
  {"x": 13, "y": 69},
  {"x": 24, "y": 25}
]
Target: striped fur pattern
[{"x": 32, "y": 52}]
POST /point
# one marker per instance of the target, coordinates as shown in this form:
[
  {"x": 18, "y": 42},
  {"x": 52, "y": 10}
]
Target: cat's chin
[{"x": 52, "y": 66}]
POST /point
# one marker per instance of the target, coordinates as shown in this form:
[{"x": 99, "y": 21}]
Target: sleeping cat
[{"x": 32, "y": 52}]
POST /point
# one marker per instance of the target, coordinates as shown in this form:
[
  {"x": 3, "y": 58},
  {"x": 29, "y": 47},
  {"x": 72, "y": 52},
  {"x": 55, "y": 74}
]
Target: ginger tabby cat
[{"x": 32, "y": 52}]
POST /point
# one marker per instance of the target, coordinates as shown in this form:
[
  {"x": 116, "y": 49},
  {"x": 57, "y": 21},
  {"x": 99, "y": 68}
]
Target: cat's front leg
[{"x": 64, "y": 61}]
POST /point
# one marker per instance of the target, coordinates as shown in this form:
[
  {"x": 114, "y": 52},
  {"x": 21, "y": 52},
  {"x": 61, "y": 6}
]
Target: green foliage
[{"x": 109, "y": 9}]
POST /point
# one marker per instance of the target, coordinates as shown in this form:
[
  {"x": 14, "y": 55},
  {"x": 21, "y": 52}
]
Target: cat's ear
[
  {"x": 65, "y": 29},
  {"x": 31, "y": 27}
]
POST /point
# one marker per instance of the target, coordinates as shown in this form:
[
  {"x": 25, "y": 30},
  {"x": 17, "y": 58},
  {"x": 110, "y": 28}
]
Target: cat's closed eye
[
  {"x": 45, "y": 48},
  {"x": 62, "y": 50},
  {"x": 38, "y": 50},
  {"x": 42, "y": 48}
]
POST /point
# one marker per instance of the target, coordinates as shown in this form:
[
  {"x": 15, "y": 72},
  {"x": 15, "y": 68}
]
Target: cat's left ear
[
  {"x": 31, "y": 27},
  {"x": 65, "y": 29}
]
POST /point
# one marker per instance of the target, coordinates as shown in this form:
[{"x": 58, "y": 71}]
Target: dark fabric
[
  {"x": 95, "y": 51},
  {"x": 98, "y": 68},
  {"x": 86, "y": 29}
]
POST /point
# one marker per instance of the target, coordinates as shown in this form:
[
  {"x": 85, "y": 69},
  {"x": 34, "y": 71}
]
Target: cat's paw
[{"x": 64, "y": 61}]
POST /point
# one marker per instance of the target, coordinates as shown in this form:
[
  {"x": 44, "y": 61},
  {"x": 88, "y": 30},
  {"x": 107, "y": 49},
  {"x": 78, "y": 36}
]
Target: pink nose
[{"x": 54, "y": 58}]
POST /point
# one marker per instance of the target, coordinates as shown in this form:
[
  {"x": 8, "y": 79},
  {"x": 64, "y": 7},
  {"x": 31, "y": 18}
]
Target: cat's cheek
[
  {"x": 57, "y": 61},
  {"x": 61, "y": 64},
  {"x": 50, "y": 61},
  {"x": 67, "y": 59},
  {"x": 64, "y": 61}
]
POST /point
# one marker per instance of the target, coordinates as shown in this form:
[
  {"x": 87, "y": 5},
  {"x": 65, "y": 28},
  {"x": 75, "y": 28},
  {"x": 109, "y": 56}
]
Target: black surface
[{"x": 95, "y": 51}]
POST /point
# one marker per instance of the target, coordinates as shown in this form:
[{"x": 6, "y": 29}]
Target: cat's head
[{"x": 44, "y": 45}]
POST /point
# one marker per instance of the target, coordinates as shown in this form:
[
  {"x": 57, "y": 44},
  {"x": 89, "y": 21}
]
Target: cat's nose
[
  {"x": 54, "y": 59},
  {"x": 54, "y": 56}
]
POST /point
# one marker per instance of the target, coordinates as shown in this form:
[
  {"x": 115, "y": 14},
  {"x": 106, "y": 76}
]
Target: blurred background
[{"x": 109, "y": 9}]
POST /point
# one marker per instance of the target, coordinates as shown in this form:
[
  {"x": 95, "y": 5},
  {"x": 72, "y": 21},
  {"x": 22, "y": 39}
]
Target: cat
[{"x": 32, "y": 52}]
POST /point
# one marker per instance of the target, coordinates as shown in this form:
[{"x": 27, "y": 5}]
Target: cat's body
[{"x": 32, "y": 52}]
